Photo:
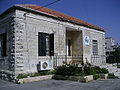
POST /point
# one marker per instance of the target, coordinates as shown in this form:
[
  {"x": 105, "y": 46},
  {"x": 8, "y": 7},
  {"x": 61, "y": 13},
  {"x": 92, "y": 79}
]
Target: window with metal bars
[
  {"x": 45, "y": 44},
  {"x": 95, "y": 47}
]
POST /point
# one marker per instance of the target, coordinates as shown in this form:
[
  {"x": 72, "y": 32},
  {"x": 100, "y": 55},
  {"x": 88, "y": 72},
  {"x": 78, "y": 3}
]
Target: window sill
[{"x": 45, "y": 57}]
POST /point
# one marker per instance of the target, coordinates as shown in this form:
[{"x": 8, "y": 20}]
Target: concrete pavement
[{"x": 111, "y": 84}]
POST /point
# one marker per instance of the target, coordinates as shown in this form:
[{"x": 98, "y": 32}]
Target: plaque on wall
[{"x": 87, "y": 40}]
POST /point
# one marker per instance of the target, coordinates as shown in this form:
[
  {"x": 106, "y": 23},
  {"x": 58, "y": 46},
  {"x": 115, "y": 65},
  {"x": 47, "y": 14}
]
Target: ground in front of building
[{"x": 111, "y": 84}]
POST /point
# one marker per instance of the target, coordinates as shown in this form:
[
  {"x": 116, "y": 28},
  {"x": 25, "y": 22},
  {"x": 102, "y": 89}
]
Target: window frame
[
  {"x": 94, "y": 47},
  {"x": 44, "y": 44},
  {"x": 3, "y": 48}
]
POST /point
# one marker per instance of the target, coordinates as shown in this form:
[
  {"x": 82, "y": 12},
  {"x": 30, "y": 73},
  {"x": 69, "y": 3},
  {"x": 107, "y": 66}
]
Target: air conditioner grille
[{"x": 45, "y": 65}]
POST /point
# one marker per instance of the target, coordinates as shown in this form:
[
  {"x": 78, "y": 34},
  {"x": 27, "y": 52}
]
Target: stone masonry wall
[
  {"x": 26, "y": 43},
  {"x": 7, "y": 63},
  {"x": 22, "y": 42},
  {"x": 87, "y": 49},
  {"x": 27, "y": 40}
]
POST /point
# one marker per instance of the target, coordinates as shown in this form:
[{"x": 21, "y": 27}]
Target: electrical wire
[
  {"x": 48, "y": 4},
  {"x": 26, "y": 31}
]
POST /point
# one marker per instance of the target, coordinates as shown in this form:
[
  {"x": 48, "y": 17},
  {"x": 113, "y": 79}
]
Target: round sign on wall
[{"x": 87, "y": 40}]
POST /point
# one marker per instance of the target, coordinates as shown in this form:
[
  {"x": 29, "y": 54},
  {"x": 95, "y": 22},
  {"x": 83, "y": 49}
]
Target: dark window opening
[
  {"x": 69, "y": 47},
  {"x": 51, "y": 45},
  {"x": 3, "y": 44},
  {"x": 45, "y": 44},
  {"x": 95, "y": 47}
]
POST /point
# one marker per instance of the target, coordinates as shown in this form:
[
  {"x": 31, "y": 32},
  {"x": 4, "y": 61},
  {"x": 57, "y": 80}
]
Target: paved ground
[{"x": 63, "y": 85}]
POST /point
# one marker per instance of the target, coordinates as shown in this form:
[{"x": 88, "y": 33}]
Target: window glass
[
  {"x": 45, "y": 44},
  {"x": 95, "y": 47},
  {"x": 2, "y": 45}
]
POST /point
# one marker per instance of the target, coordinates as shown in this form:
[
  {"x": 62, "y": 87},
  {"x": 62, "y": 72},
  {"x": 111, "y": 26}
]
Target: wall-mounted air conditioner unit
[{"x": 46, "y": 65}]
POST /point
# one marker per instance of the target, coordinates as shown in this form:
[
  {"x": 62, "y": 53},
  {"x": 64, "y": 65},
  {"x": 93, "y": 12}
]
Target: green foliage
[
  {"x": 96, "y": 76},
  {"x": 68, "y": 70},
  {"x": 45, "y": 72},
  {"x": 104, "y": 70},
  {"x": 114, "y": 57},
  {"x": 20, "y": 76},
  {"x": 111, "y": 76},
  {"x": 90, "y": 70},
  {"x": 117, "y": 55},
  {"x": 118, "y": 66},
  {"x": 110, "y": 59}
]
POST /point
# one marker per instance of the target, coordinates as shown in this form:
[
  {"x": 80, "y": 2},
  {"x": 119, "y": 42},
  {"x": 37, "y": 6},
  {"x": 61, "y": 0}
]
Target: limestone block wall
[
  {"x": 26, "y": 42},
  {"x": 27, "y": 25},
  {"x": 19, "y": 44},
  {"x": 22, "y": 41},
  {"x": 87, "y": 49},
  {"x": 7, "y": 63}
]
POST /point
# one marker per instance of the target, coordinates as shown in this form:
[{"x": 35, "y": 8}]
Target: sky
[{"x": 103, "y": 13}]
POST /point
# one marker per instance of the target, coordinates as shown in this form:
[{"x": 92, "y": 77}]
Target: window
[
  {"x": 45, "y": 44},
  {"x": 69, "y": 47},
  {"x": 2, "y": 45},
  {"x": 95, "y": 47}
]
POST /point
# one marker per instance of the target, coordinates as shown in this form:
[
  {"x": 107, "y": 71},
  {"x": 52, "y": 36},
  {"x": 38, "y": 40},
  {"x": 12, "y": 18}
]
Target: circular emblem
[
  {"x": 87, "y": 40},
  {"x": 44, "y": 65}
]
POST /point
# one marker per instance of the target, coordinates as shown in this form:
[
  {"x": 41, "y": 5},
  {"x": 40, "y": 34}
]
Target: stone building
[
  {"x": 34, "y": 38},
  {"x": 110, "y": 45}
]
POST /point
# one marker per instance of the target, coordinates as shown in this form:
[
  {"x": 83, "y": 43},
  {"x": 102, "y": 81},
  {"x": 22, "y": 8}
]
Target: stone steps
[{"x": 112, "y": 69}]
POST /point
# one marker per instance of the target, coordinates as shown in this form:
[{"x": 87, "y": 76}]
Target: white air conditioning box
[{"x": 46, "y": 65}]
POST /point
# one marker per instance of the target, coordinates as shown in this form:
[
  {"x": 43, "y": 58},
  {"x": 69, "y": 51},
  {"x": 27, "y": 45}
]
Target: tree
[
  {"x": 114, "y": 57},
  {"x": 117, "y": 55}
]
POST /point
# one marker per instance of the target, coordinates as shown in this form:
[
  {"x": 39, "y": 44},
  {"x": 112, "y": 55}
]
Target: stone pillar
[
  {"x": 19, "y": 47},
  {"x": 11, "y": 43}
]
